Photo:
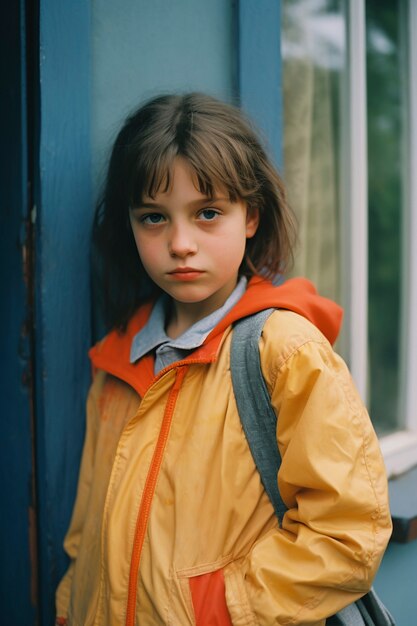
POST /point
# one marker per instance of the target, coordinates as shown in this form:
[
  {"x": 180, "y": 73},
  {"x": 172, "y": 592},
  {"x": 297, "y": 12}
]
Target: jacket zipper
[{"x": 147, "y": 497}]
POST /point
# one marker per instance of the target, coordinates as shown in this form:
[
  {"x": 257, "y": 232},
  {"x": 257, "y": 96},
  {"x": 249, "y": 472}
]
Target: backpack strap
[{"x": 257, "y": 416}]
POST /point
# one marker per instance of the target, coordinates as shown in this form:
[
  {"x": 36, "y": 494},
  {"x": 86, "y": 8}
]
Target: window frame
[
  {"x": 354, "y": 199},
  {"x": 399, "y": 448}
]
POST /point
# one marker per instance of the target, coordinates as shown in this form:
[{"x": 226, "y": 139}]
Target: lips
[
  {"x": 185, "y": 270},
  {"x": 185, "y": 273}
]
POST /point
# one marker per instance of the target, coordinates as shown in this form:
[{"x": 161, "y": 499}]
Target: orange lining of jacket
[{"x": 208, "y": 595}]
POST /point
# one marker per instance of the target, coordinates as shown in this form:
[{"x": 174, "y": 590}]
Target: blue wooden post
[
  {"x": 259, "y": 68},
  {"x": 64, "y": 215},
  {"x": 18, "y": 578}
]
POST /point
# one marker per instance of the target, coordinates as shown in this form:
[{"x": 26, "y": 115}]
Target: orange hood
[{"x": 112, "y": 354}]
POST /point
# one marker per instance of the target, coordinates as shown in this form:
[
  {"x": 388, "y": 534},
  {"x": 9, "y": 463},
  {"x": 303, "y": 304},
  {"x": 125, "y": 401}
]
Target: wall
[{"x": 154, "y": 47}]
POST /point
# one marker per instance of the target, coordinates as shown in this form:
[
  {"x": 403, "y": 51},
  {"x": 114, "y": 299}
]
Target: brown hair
[{"x": 225, "y": 153}]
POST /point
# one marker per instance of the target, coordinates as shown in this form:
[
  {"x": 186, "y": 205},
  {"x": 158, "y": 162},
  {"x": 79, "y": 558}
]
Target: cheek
[
  {"x": 230, "y": 248},
  {"x": 148, "y": 251}
]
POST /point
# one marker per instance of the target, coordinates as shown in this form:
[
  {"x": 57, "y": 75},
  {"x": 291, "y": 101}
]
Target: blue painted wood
[
  {"x": 396, "y": 582},
  {"x": 17, "y": 571},
  {"x": 403, "y": 502},
  {"x": 259, "y": 68},
  {"x": 63, "y": 285}
]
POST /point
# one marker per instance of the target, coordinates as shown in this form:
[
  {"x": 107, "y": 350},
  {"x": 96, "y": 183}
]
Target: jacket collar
[
  {"x": 153, "y": 334},
  {"x": 112, "y": 354}
]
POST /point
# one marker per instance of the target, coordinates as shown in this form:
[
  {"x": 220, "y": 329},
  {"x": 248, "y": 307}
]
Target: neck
[{"x": 183, "y": 316}]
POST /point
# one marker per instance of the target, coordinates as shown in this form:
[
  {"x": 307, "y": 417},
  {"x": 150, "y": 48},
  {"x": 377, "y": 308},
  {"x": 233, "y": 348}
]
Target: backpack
[{"x": 259, "y": 422}]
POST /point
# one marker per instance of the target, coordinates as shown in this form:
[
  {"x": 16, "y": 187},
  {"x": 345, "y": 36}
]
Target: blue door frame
[
  {"x": 63, "y": 320},
  {"x": 44, "y": 273},
  {"x": 18, "y": 572}
]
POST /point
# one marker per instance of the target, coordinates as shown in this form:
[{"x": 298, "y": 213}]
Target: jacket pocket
[
  {"x": 236, "y": 596},
  {"x": 216, "y": 597}
]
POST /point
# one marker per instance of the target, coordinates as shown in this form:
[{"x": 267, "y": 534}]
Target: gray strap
[
  {"x": 257, "y": 416},
  {"x": 367, "y": 611}
]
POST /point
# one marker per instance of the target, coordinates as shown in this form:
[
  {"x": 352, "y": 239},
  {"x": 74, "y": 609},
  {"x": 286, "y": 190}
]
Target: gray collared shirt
[{"x": 167, "y": 350}]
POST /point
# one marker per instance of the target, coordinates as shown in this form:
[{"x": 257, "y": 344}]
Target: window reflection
[
  {"x": 315, "y": 104},
  {"x": 313, "y": 49},
  {"x": 386, "y": 112}
]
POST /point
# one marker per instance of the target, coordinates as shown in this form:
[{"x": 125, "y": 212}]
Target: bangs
[
  {"x": 156, "y": 178},
  {"x": 151, "y": 176},
  {"x": 212, "y": 169}
]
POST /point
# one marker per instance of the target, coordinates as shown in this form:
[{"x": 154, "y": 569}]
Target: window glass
[
  {"x": 385, "y": 113},
  {"x": 315, "y": 93}
]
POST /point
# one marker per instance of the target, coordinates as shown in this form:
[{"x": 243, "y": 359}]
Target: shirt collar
[{"x": 153, "y": 334}]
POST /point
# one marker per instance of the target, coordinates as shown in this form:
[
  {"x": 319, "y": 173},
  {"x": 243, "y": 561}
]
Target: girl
[{"x": 171, "y": 523}]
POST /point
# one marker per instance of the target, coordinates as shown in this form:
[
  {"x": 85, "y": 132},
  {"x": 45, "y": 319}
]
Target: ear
[{"x": 252, "y": 222}]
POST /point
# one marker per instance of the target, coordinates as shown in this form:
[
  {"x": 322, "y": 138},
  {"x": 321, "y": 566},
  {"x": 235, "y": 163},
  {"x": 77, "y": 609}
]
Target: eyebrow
[
  {"x": 147, "y": 205},
  {"x": 193, "y": 203}
]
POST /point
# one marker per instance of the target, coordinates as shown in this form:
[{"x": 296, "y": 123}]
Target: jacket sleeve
[
  {"x": 73, "y": 536},
  {"x": 333, "y": 481}
]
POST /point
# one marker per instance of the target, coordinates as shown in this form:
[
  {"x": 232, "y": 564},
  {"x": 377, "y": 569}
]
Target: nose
[{"x": 181, "y": 242}]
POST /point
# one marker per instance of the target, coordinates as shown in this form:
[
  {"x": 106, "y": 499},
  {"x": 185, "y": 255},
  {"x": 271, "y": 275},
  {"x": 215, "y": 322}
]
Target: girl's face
[{"x": 190, "y": 245}]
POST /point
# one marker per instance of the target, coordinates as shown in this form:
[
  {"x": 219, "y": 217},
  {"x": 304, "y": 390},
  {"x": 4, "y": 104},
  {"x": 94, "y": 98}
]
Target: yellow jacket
[{"x": 171, "y": 523}]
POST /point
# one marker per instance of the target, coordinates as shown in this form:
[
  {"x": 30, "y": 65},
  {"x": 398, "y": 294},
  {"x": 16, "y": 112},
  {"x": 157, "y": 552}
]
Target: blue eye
[
  {"x": 152, "y": 218},
  {"x": 209, "y": 214}
]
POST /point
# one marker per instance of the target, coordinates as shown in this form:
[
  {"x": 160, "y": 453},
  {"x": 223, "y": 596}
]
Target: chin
[{"x": 182, "y": 296}]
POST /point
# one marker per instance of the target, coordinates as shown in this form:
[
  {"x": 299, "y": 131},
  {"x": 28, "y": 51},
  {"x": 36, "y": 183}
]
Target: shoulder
[
  {"x": 292, "y": 346},
  {"x": 296, "y": 358},
  {"x": 286, "y": 332}
]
